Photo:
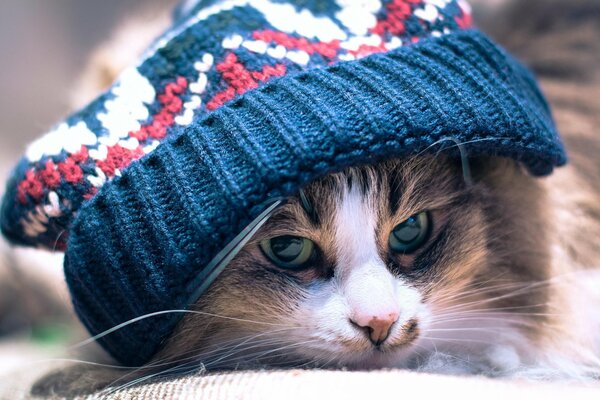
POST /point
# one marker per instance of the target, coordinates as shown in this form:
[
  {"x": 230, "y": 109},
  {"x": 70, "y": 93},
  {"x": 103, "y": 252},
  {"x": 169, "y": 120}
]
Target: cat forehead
[{"x": 396, "y": 188}]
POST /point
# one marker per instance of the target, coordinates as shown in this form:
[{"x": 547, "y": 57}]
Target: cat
[
  {"x": 434, "y": 263},
  {"x": 495, "y": 284},
  {"x": 391, "y": 265},
  {"x": 380, "y": 265}
]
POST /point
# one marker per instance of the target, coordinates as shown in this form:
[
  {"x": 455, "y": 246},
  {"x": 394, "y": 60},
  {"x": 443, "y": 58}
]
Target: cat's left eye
[
  {"x": 289, "y": 252},
  {"x": 411, "y": 234}
]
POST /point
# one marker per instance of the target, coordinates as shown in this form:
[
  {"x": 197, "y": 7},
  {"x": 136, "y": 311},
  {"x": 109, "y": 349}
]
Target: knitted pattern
[
  {"x": 251, "y": 100},
  {"x": 217, "y": 53}
]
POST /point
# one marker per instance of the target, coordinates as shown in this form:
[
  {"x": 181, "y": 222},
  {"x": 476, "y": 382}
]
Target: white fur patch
[{"x": 362, "y": 286}]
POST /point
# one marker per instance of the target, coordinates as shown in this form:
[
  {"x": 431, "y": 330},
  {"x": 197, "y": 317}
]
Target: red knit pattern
[
  {"x": 240, "y": 80},
  {"x": 172, "y": 105},
  {"x": 70, "y": 171},
  {"x": 30, "y": 186},
  {"x": 118, "y": 157},
  {"x": 326, "y": 49},
  {"x": 81, "y": 156},
  {"x": 465, "y": 20},
  {"x": 365, "y": 50},
  {"x": 397, "y": 11},
  {"x": 91, "y": 193},
  {"x": 50, "y": 175}
]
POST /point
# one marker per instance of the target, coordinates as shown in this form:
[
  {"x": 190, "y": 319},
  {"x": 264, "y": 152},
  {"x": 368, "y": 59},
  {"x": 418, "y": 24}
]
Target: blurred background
[
  {"x": 47, "y": 48},
  {"x": 45, "y": 45}
]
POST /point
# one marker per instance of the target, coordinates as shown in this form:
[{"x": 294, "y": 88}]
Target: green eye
[
  {"x": 411, "y": 234},
  {"x": 290, "y": 252}
]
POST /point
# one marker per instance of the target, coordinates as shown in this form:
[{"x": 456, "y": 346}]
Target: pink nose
[{"x": 376, "y": 326}]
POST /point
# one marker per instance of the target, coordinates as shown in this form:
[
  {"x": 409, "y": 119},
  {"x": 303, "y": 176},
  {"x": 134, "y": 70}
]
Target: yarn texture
[{"x": 242, "y": 102}]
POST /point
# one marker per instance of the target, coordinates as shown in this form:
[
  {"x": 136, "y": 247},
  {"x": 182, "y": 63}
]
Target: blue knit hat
[{"x": 238, "y": 105}]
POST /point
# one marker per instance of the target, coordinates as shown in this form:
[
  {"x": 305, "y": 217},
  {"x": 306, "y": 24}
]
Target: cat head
[{"x": 377, "y": 265}]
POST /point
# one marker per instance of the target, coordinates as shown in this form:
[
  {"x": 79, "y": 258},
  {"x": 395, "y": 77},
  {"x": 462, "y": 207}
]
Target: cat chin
[
  {"x": 378, "y": 360},
  {"x": 372, "y": 359},
  {"x": 491, "y": 361}
]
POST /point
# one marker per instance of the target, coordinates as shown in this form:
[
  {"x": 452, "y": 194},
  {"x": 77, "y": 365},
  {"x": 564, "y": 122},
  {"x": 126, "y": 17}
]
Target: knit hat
[{"x": 238, "y": 105}]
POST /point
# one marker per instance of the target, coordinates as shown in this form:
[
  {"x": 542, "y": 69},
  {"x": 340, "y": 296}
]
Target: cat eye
[
  {"x": 290, "y": 252},
  {"x": 410, "y": 234}
]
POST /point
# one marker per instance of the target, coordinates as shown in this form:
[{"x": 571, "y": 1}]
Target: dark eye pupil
[
  {"x": 411, "y": 234},
  {"x": 409, "y": 230},
  {"x": 287, "y": 248}
]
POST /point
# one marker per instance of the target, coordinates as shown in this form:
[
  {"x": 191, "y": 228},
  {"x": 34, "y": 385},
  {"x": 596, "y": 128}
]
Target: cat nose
[{"x": 377, "y": 327}]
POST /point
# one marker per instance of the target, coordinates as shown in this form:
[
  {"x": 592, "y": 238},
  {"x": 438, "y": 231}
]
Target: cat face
[{"x": 381, "y": 266}]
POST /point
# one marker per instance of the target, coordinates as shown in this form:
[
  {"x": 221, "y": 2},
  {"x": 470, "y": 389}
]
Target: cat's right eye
[
  {"x": 408, "y": 236},
  {"x": 289, "y": 252}
]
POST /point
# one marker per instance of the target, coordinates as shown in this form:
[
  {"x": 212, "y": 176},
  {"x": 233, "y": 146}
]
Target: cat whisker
[
  {"x": 186, "y": 366},
  {"x": 334, "y": 358},
  {"x": 78, "y": 361},
  {"x": 487, "y": 284},
  {"x": 436, "y": 352},
  {"x": 493, "y": 329},
  {"x": 158, "y": 313},
  {"x": 241, "y": 349},
  {"x": 493, "y": 299},
  {"x": 261, "y": 354},
  {"x": 175, "y": 360},
  {"x": 480, "y": 319},
  {"x": 177, "y": 368},
  {"x": 459, "y": 340},
  {"x": 456, "y": 143},
  {"x": 458, "y": 310},
  {"x": 458, "y": 295},
  {"x": 223, "y": 346},
  {"x": 251, "y": 340}
]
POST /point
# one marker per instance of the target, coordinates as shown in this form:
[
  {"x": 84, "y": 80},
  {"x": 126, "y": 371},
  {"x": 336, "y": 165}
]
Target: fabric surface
[
  {"x": 253, "y": 100},
  {"x": 302, "y": 384}
]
